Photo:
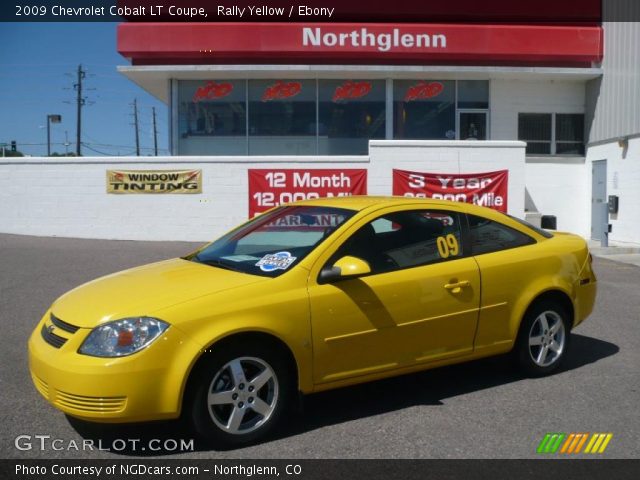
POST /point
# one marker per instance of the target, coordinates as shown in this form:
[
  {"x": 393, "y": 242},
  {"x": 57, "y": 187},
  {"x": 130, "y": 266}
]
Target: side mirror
[{"x": 346, "y": 267}]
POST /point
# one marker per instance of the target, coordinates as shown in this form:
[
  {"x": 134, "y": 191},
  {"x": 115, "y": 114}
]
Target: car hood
[{"x": 144, "y": 290}]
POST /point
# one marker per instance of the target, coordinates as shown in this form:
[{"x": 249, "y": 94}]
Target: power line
[
  {"x": 107, "y": 154},
  {"x": 89, "y": 145}
]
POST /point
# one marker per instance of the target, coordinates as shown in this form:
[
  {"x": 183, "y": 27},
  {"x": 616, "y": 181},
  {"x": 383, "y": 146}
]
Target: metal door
[{"x": 599, "y": 213}]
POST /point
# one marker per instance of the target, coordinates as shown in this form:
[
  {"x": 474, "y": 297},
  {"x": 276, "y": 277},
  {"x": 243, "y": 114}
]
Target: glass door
[{"x": 472, "y": 124}]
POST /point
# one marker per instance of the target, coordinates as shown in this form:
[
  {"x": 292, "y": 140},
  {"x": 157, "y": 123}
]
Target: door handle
[{"x": 457, "y": 287}]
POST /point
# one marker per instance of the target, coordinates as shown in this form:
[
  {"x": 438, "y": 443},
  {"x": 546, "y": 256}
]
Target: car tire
[
  {"x": 240, "y": 394},
  {"x": 543, "y": 339}
]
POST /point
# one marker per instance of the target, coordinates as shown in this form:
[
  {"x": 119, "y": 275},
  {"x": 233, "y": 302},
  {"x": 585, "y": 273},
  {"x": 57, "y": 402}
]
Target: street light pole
[
  {"x": 48, "y": 135},
  {"x": 51, "y": 119}
]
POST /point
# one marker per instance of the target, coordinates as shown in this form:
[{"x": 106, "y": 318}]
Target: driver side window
[{"x": 405, "y": 239}]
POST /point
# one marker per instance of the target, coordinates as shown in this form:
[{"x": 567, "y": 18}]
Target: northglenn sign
[
  {"x": 385, "y": 41},
  {"x": 183, "y": 43}
]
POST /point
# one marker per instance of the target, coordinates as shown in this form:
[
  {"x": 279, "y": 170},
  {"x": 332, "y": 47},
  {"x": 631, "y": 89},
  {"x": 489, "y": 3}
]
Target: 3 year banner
[{"x": 488, "y": 189}]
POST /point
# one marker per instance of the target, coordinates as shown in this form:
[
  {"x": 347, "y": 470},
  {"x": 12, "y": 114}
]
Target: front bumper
[{"x": 144, "y": 386}]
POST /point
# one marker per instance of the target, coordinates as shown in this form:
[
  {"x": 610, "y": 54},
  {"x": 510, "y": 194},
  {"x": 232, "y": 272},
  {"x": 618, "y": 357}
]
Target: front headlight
[{"x": 122, "y": 337}]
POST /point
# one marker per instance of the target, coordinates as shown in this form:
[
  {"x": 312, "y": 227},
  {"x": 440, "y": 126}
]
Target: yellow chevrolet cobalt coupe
[{"x": 308, "y": 297}]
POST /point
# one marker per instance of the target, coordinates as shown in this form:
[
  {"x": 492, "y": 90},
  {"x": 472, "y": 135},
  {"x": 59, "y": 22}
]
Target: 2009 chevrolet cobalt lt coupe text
[{"x": 308, "y": 297}]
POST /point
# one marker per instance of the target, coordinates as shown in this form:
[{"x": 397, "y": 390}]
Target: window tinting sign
[{"x": 154, "y": 181}]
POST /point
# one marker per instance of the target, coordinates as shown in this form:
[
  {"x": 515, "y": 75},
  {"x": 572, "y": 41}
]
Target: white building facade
[{"x": 557, "y": 104}]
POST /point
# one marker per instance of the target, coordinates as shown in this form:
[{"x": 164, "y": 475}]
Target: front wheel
[
  {"x": 240, "y": 395},
  {"x": 543, "y": 339}
]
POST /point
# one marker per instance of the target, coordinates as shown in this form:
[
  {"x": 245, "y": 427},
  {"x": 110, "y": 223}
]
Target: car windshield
[{"x": 272, "y": 243}]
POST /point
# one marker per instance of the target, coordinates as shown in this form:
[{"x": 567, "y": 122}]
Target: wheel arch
[
  {"x": 556, "y": 295},
  {"x": 247, "y": 336}
]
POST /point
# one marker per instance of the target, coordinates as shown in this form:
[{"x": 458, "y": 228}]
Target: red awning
[{"x": 348, "y": 43}]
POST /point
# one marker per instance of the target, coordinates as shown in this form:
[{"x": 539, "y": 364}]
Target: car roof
[{"x": 362, "y": 202}]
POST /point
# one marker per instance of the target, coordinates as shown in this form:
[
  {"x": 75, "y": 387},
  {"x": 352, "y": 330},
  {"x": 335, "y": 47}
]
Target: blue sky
[{"x": 38, "y": 63}]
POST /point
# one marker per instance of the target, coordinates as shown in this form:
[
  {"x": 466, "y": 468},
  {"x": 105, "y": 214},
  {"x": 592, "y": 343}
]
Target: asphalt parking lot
[{"x": 477, "y": 410}]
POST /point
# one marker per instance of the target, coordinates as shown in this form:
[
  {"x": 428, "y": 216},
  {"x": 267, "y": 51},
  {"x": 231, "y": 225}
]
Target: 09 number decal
[{"x": 448, "y": 246}]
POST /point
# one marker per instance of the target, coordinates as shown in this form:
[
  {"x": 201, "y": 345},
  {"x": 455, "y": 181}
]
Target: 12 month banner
[
  {"x": 271, "y": 188},
  {"x": 154, "y": 181},
  {"x": 488, "y": 189}
]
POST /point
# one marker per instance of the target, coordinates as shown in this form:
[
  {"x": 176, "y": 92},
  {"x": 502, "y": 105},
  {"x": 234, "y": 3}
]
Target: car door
[
  {"x": 419, "y": 303},
  {"x": 509, "y": 262}
]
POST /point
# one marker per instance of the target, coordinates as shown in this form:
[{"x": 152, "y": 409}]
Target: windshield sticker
[
  {"x": 240, "y": 258},
  {"x": 275, "y": 261}
]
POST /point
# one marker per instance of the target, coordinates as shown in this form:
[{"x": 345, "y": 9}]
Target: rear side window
[
  {"x": 539, "y": 231},
  {"x": 488, "y": 236}
]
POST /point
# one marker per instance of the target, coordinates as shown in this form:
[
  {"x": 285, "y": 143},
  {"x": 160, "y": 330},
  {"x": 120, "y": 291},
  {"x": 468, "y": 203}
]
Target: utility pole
[
  {"x": 79, "y": 104},
  {"x": 155, "y": 132},
  {"x": 135, "y": 122}
]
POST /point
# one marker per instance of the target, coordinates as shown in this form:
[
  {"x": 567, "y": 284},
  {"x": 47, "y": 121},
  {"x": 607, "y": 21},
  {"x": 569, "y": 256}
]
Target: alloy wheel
[
  {"x": 547, "y": 338},
  {"x": 242, "y": 395}
]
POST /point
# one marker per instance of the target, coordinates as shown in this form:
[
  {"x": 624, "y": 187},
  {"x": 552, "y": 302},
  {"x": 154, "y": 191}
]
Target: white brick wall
[
  {"x": 510, "y": 97},
  {"x": 561, "y": 187},
  {"x": 55, "y": 197}
]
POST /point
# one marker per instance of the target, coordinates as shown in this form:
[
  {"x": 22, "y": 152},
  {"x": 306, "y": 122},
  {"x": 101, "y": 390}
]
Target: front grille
[
  {"x": 41, "y": 386},
  {"x": 90, "y": 404},
  {"x": 51, "y": 338},
  {"x": 62, "y": 325}
]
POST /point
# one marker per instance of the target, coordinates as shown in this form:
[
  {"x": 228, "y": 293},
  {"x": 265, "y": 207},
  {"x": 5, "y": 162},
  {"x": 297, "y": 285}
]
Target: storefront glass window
[
  {"x": 535, "y": 129},
  {"x": 543, "y": 138},
  {"x": 473, "y": 94},
  {"x": 424, "y": 109},
  {"x": 570, "y": 134},
  {"x": 212, "y": 117},
  {"x": 339, "y": 117},
  {"x": 282, "y": 117},
  {"x": 351, "y": 113}
]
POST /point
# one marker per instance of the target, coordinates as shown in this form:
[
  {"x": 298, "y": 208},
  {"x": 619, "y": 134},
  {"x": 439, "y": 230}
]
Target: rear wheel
[
  {"x": 543, "y": 339},
  {"x": 240, "y": 395}
]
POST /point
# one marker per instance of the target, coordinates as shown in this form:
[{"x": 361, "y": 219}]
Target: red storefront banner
[
  {"x": 273, "y": 187},
  {"x": 488, "y": 189},
  {"x": 185, "y": 43}
]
